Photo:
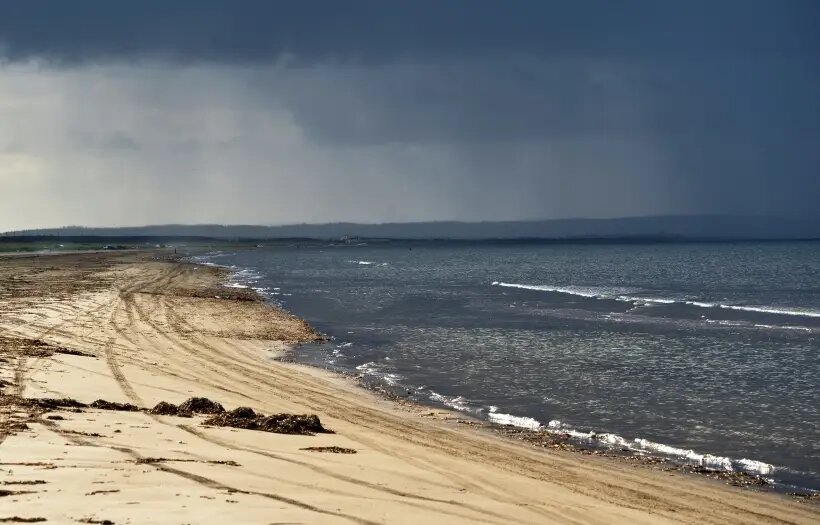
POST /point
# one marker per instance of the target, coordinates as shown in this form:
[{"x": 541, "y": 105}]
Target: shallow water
[{"x": 709, "y": 353}]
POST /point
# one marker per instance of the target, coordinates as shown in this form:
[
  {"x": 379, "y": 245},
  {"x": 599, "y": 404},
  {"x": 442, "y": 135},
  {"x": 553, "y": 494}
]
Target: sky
[{"x": 262, "y": 112}]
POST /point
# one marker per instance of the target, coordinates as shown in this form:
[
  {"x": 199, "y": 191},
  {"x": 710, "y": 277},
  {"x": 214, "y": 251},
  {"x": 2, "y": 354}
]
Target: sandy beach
[{"x": 134, "y": 328}]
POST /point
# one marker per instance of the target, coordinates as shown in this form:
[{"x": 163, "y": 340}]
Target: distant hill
[{"x": 705, "y": 227}]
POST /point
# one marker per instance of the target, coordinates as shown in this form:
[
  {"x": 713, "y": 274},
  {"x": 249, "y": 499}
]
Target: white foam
[
  {"x": 700, "y": 304},
  {"x": 644, "y": 445},
  {"x": 592, "y": 293},
  {"x": 752, "y": 465},
  {"x": 622, "y": 294},
  {"x": 803, "y": 312},
  {"x": 391, "y": 379},
  {"x": 459, "y": 403},
  {"x": 801, "y": 328},
  {"x": 372, "y": 368},
  {"x": 647, "y": 300},
  {"x": 368, "y": 368},
  {"x": 363, "y": 263},
  {"x": 509, "y": 419}
]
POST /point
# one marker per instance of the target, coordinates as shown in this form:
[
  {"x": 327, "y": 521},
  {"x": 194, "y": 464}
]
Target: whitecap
[
  {"x": 727, "y": 464},
  {"x": 627, "y": 295},
  {"x": 508, "y": 419}
]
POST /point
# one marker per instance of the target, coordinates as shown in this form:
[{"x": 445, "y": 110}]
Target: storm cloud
[{"x": 261, "y": 112}]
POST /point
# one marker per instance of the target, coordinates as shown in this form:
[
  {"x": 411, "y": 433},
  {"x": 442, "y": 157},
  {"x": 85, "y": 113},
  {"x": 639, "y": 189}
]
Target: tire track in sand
[{"x": 202, "y": 480}]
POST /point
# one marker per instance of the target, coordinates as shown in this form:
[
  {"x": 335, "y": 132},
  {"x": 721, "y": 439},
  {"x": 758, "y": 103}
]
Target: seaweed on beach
[
  {"x": 246, "y": 418},
  {"x": 111, "y": 405},
  {"x": 151, "y": 461},
  {"x": 104, "y": 491},
  {"x": 4, "y": 493},
  {"x": 806, "y": 496},
  {"x": 69, "y": 351},
  {"x": 201, "y": 405},
  {"x": 63, "y": 403},
  {"x": 737, "y": 479},
  {"x": 35, "y": 347},
  {"x": 218, "y": 292},
  {"x": 163, "y": 408},
  {"x": 332, "y": 450},
  {"x": 193, "y": 405},
  {"x": 46, "y": 403}
]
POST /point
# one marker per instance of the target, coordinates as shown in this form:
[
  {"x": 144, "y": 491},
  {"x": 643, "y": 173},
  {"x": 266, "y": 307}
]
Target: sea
[{"x": 703, "y": 353}]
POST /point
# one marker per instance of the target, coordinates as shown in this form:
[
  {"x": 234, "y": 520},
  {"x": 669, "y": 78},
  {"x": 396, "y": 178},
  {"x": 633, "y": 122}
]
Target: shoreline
[
  {"x": 152, "y": 332},
  {"x": 743, "y": 472}
]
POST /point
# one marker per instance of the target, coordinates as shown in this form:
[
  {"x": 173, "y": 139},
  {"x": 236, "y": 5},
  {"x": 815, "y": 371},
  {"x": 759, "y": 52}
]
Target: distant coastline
[{"x": 670, "y": 228}]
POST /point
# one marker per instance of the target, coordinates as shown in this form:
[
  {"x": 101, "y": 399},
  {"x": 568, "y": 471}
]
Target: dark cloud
[
  {"x": 374, "y": 30},
  {"x": 261, "y": 111},
  {"x": 526, "y": 99}
]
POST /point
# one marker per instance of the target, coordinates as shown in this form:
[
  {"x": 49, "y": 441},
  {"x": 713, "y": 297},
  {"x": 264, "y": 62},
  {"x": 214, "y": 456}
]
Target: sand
[{"x": 139, "y": 330}]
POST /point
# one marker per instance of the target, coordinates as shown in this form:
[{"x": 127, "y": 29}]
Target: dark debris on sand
[
  {"x": 219, "y": 292},
  {"x": 5, "y": 493},
  {"x": 151, "y": 461},
  {"x": 110, "y": 405},
  {"x": 55, "y": 403},
  {"x": 201, "y": 405},
  {"x": 45, "y": 403},
  {"x": 164, "y": 408},
  {"x": 193, "y": 405},
  {"x": 813, "y": 497},
  {"x": 332, "y": 450},
  {"x": 562, "y": 441},
  {"x": 35, "y": 347},
  {"x": 247, "y": 418},
  {"x": 18, "y": 519},
  {"x": 737, "y": 479}
]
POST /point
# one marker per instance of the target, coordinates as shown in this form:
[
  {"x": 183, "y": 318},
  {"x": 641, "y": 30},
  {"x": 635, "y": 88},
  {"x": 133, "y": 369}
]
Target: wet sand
[{"x": 126, "y": 328}]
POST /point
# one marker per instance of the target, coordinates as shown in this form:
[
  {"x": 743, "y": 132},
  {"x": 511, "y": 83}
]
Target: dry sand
[{"x": 144, "y": 331}]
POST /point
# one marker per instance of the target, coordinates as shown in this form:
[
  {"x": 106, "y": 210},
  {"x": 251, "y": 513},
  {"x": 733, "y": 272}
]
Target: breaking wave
[
  {"x": 508, "y": 419},
  {"x": 627, "y": 295},
  {"x": 640, "y": 445},
  {"x": 606, "y": 439}
]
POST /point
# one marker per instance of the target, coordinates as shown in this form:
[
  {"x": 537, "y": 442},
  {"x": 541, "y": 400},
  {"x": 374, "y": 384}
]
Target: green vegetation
[{"x": 40, "y": 246}]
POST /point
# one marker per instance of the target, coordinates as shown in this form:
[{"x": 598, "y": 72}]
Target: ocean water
[{"x": 706, "y": 353}]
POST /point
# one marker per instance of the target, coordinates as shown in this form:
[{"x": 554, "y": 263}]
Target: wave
[
  {"x": 636, "y": 445},
  {"x": 508, "y": 419},
  {"x": 240, "y": 278},
  {"x": 625, "y": 295},
  {"x": 581, "y": 291},
  {"x": 774, "y": 327},
  {"x": 640, "y": 445},
  {"x": 605, "y": 439},
  {"x": 368, "y": 263},
  {"x": 457, "y": 402},
  {"x": 802, "y": 312}
]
